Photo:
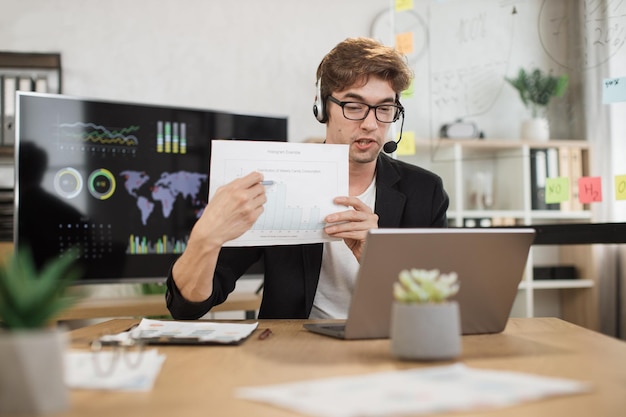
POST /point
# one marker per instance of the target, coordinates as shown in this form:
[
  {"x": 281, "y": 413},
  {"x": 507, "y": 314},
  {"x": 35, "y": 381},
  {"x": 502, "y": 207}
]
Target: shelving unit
[
  {"x": 24, "y": 71},
  {"x": 507, "y": 166}
]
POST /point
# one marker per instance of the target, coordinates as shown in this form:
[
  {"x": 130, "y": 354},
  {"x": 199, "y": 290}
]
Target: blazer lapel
[{"x": 389, "y": 201}]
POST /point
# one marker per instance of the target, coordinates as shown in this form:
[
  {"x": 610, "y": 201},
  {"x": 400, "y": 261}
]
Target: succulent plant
[
  {"x": 425, "y": 286},
  {"x": 536, "y": 88},
  {"x": 31, "y": 298}
]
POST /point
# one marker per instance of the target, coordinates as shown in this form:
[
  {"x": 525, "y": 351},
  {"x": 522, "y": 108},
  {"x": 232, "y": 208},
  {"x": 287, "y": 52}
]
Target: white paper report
[{"x": 305, "y": 177}]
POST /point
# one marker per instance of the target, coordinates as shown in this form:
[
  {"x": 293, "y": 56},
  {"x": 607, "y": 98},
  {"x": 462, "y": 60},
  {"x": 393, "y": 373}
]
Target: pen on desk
[
  {"x": 267, "y": 182},
  {"x": 265, "y": 334}
]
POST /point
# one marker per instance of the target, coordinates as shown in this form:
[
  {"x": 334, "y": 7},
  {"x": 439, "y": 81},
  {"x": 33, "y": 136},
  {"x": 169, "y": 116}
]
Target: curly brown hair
[{"x": 355, "y": 59}]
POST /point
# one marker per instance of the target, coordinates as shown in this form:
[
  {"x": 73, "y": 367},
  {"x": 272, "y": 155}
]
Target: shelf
[
  {"x": 560, "y": 215},
  {"x": 499, "y": 144},
  {"x": 503, "y": 171},
  {"x": 557, "y": 284},
  {"x": 521, "y": 214}
]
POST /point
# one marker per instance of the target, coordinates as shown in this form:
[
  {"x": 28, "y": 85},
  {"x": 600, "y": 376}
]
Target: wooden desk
[
  {"x": 148, "y": 305},
  {"x": 199, "y": 381}
]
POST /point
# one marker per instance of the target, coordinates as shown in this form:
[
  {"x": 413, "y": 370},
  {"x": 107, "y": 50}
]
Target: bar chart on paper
[
  {"x": 303, "y": 180},
  {"x": 280, "y": 216}
]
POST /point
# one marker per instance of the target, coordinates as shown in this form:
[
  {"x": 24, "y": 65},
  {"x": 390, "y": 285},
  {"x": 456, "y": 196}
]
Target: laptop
[{"x": 490, "y": 264}]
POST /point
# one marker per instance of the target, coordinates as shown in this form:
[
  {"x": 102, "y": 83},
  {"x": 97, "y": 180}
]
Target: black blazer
[{"x": 406, "y": 196}]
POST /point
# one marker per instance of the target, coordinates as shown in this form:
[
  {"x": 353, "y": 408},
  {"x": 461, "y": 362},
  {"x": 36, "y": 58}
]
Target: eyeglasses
[
  {"x": 385, "y": 113},
  {"x": 105, "y": 362}
]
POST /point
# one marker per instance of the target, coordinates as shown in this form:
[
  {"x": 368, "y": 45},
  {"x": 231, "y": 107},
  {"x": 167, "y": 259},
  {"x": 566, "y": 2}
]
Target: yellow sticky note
[
  {"x": 407, "y": 144},
  {"x": 402, "y": 5},
  {"x": 409, "y": 92},
  {"x": 557, "y": 190},
  {"x": 404, "y": 43},
  {"x": 620, "y": 187}
]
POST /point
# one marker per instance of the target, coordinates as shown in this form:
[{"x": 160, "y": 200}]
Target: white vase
[
  {"x": 537, "y": 129},
  {"x": 427, "y": 332},
  {"x": 32, "y": 372}
]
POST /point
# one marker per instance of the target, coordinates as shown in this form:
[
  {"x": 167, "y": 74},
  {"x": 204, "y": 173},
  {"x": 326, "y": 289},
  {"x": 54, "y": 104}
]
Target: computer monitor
[{"x": 124, "y": 182}]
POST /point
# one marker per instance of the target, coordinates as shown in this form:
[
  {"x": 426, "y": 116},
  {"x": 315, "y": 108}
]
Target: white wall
[
  {"x": 260, "y": 56},
  {"x": 245, "y": 56}
]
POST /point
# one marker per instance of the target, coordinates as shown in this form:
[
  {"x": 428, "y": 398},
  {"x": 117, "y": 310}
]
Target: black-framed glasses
[{"x": 353, "y": 110}]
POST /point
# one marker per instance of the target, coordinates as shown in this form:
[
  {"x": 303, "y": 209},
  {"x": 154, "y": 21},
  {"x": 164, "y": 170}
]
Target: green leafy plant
[
  {"x": 425, "y": 286},
  {"x": 29, "y": 298},
  {"x": 536, "y": 88}
]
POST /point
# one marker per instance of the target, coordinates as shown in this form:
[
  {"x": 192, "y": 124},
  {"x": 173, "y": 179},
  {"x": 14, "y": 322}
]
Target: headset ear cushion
[
  {"x": 318, "y": 106},
  {"x": 318, "y": 111}
]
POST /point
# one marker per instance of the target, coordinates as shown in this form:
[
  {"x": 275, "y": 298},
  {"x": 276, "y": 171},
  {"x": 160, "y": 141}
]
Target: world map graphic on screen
[{"x": 166, "y": 190}]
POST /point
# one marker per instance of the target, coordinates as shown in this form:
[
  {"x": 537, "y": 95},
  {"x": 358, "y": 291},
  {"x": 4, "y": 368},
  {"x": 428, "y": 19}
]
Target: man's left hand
[{"x": 352, "y": 225}]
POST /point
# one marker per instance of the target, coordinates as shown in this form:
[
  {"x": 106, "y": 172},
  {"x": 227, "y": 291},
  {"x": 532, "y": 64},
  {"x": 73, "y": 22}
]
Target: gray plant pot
[
  {"x": 32, "y": 377},
  {"x": 425, "y": 331}
]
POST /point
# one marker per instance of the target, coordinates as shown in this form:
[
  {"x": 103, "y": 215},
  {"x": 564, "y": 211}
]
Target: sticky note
[
  {"x": 407, "y": 144},
  {"x": 404, "y": 43},
  {"x": 613, "y": 90},
  {"x": 620, "y": 187},
  {"x": 557, "y": 190},
  {"x": 402, "y": 5},
  {"x": 590, "y": 189}
]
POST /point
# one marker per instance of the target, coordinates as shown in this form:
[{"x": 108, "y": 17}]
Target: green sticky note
[{"x": 557, "y": 190}]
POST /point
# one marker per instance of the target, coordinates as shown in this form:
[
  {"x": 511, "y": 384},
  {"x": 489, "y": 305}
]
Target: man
[{"x": 359, "y": 84}]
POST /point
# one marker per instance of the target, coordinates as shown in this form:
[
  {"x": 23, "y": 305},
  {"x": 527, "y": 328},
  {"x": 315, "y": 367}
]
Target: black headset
[
  {"x": 318, "y": 106},
  {"x": 319, "y": 111}
]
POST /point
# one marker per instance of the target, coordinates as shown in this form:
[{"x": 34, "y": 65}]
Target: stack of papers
[
  {"x": 443, "y": 389},
  {"x": 183, "y": 332},
  {"x": 127, "y": 366}
]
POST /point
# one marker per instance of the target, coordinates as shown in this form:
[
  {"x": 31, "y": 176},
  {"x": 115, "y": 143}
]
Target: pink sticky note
[{"x": 590, "y": 189}]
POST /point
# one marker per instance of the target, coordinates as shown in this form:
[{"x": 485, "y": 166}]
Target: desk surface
[
  {"x": 199, "y": 381},
  {"x": 147, "y": 305}
]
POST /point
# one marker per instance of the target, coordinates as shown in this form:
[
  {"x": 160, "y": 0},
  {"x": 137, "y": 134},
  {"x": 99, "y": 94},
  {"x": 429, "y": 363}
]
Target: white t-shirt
[{"x": 338, "y": 273}]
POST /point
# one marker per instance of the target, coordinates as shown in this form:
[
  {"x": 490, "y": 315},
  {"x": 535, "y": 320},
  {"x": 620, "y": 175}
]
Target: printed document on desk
[
  {"x": 302, "y": 181},
  {"x": 168, "y": 332}
]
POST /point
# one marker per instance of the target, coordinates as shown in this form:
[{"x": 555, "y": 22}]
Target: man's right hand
[
  {"x": 233, "y": 209},
  {"x": 231, "y": 212}
]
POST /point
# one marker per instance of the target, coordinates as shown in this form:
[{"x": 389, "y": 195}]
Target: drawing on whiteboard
[
  {"x": 468, "y": 80},
  {"x": 603, "y": 27}
]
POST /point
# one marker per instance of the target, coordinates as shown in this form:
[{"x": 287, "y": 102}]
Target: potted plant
[
  {"x": 31, "y": 349},
  {"x": 536, "y": 88},
  {"x": 425, "y": 324}
]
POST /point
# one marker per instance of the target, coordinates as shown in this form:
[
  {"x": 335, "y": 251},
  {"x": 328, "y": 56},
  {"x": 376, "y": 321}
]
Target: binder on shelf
[
  {"x": 1, "y": 109},
  {"x": 538, "y": 173},
  {"x": 576, "y": 172},
  {"x": 543, "y": 164},
  {"x": 565, "y": 172},
  {"x": 25, "y": 83},
  {"x": 41, "y": 85},
  {"x": 552, "y": 171},
  {"x": 9, "y": 86}
]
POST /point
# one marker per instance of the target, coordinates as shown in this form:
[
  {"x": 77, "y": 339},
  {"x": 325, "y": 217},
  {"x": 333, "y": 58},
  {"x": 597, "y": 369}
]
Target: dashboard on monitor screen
[{"x": 124, "y": 182}]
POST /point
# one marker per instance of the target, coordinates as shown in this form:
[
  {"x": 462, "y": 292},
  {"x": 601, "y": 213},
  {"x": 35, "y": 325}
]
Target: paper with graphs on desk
[
  {"x": 301, "y": 180},
  {"x": 169, "y": 332},
  {"x": 443, "y": 389}
]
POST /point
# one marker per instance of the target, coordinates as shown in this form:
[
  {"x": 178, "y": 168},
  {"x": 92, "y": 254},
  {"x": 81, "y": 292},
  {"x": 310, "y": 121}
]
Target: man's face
[{"x": 366, "y": 137}]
